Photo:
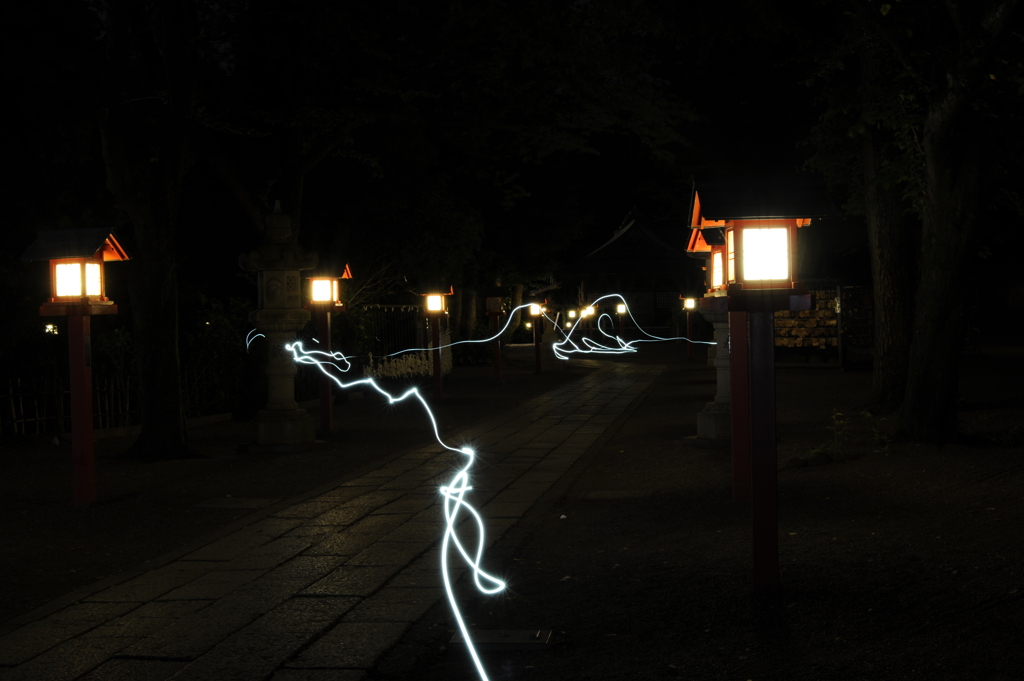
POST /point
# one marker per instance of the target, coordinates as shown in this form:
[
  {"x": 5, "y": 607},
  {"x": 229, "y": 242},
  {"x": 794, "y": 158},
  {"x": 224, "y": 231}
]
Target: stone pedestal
[
  {"x": 714, "y": 425},
  {"x": 281, "y": 424}
]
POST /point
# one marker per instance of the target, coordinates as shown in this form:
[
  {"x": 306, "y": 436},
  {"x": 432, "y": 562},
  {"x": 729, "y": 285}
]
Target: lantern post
[
  {"x": 78, "y": 291},
  {"x": 325, "y": 298},
  {"x": 495, "y": 310},
  {"x": 436, "y": 307},
  {"x": 689, "y": 305},
  {"x": 748, "y": 231}
]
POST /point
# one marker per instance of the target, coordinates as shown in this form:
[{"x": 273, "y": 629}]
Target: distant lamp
[
  {"x": 529, "y": 325},
  {"x": 325, "y": 285},
  {"x": 51, "y": 329},
  {"x": 572, "y": 314},
  {"x": 436, "y": 303},
  {"x": 620, "y": 308},
  {"x": 535, "y": 310},
  {"x": 435, "y": 307},
  {"x": 587, "y": 311},
  {"x": 689, "y": 304}
]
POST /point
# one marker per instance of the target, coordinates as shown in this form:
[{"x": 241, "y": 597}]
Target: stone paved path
[{"x": 323, "y": 588}]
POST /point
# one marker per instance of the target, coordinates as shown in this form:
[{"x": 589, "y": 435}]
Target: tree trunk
[
  {"x": 150, "y": 200},
  {"x": 145, "y": 152},
  {"x": 929, "y": 409},
  {"x": 893, "y": 265}
]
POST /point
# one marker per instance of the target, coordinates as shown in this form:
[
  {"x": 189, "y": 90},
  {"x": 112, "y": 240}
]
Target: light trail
[
  {"x": 616, "y": 346},
  {"x": 249, "y": 338},
  {"x": 477, "y": 340},
  {"x": 453, "y": 493}
]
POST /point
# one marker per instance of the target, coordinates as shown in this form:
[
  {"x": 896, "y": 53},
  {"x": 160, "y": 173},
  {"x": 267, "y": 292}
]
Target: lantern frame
[
  {"x": 85, "y": 248},
  {"x": 723, "y": 214},
  {"x": 435, "y": 301}
]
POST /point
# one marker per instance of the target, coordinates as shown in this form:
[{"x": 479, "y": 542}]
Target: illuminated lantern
[
  {"x": 436, "y": 307},
  {"x": 436, "y": 300},
  {"x": 747, "y": 229},
  {"x": 325, "y": 297},
  {"x": 77, "y": 282},
  {"x": 78, "y": 290},
  {"x": 689, "y": 304},
  {"x": 325, "y": 285}
]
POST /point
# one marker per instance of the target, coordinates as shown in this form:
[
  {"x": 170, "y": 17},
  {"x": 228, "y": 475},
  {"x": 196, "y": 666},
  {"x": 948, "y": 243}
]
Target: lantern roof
[
  {"x": 56, "y": 244},
  {"x": 759, "y": 198},
  {"x": 330, "y": 268}
]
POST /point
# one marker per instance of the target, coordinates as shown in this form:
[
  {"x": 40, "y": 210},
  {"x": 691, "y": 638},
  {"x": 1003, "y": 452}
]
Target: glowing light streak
[
  {"x": 477, "y": 340},
  {"x": 454, "y": 492},
  {"x": 615, "y": 344},
  {"x": 249, "y": 338}
]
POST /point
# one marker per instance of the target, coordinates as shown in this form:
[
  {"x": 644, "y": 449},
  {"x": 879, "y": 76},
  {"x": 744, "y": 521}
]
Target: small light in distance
[{"x": 435, "y": 303}]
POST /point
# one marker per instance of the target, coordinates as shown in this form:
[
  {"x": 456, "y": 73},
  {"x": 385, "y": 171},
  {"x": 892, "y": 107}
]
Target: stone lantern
[{"x": 279, "y": 262}]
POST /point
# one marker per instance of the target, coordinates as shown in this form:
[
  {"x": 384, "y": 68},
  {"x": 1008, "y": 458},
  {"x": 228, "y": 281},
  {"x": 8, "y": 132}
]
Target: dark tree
[{"x": 917, "y": 112}]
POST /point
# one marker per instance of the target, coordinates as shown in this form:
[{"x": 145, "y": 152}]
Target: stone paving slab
[
  {"x": 323, "y": 588},
  {"x": 258, "y": 649},
  {"x": 351, "y": 645}
]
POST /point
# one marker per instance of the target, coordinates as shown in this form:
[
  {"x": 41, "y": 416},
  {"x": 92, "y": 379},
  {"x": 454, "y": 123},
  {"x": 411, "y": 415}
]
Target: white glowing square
[
  {"x": 534, "y": 309},
  {"x": 321, "y": 291},
  {"x": 716, "y": 269},
  {"x": 92, "y": 279},
  {"x": 435, "y": 303},
  {"x": 69, "y": 279},
  {"x": 620, "y": 308},
  {"x": 572, "y": 314},
  {"x": 765, "y": 253}
]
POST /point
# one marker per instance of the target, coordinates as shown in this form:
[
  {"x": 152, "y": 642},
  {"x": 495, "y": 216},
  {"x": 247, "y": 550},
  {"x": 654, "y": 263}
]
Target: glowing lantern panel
[
  {"x": 716, "y": 269},
  {"x": 435, "y": 303},
  {"x": 69, "y": 279},
  {"x": 620, "y": 308},
  {"x": 534, "y": 309},
  {"x": 765, "y": 253},
  {"x": 321, "y": 291}
]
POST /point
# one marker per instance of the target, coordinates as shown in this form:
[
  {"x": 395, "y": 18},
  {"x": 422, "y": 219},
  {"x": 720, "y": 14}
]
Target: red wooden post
[
  {"x": 435, "y": 334},
  {"x": 764, "y": 466},
  {"x": 739, "y": 389},
  {"x": 495, "y": 327},
  {"x": 326, "y": 387},
  {"x": 82, "y": 454}
]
